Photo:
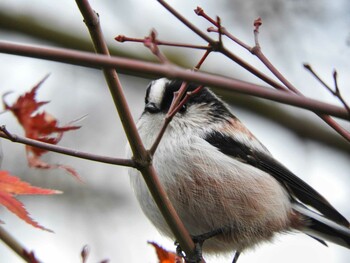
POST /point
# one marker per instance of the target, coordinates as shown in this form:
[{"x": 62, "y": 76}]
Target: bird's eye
[
  {"x": 152, "y": 108},
  {"x": 183, "y": 108}
]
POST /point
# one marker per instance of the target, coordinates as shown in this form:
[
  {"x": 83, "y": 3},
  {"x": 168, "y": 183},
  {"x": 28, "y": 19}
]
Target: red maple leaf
[
  {"x": 165, "y": 256},
  {"x": 40, "y": 126},
  {"x": 10, "y": 186}
]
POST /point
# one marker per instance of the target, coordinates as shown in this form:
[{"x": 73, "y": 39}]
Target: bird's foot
[{"x": 198, "y": 240}]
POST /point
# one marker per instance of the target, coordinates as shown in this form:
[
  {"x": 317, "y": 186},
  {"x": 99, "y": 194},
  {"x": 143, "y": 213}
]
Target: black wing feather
[{"x": 294, "y": 185}]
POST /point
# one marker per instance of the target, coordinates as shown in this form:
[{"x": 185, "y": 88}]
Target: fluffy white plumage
[
  {"x": 246, "y": 192},
  {"x": 209, "y": 189}
]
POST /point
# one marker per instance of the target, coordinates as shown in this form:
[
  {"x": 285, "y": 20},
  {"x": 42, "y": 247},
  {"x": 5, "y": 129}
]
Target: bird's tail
[{"x": 321, "y": 228}]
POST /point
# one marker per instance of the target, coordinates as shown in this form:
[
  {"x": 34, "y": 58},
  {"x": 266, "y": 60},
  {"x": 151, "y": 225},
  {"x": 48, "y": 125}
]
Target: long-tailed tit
[{"x": 221, "y": 179}]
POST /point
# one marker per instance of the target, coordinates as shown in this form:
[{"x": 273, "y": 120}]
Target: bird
[{"x": 222, "y": 181}]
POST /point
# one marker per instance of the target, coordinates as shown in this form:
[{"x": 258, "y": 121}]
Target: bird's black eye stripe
[
  {"x": 168, "y": 95},
  {"x": 147, "y": 93},
  {"x": 204, "y": 96}
]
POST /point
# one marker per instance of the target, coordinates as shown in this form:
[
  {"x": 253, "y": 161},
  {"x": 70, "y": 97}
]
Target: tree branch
[
  {"x": 4, "y": 133},
  {"x": 12, "y": 243},
  {"x": 336, "y": 91},
  {"x": 171, "y": 71},
  {"x": 256, "y": 50},
  {"x": 220, "y": 48},
  {"x": 141, "y": 156},
  {"x": 122, "y": 39}
]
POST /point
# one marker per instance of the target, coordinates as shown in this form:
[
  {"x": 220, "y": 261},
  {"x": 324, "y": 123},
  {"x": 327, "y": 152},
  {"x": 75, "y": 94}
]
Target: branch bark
[
  {"x": 256, "y": 50},
  {"x": 141, "y": 156},
  {"x": 137, "y": 67},
  {"x": 4, "y": 133},
  {"x": 12, "y": 243}
]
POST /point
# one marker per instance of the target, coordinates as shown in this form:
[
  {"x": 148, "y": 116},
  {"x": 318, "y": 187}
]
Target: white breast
[{"x": 210, "y": 190}]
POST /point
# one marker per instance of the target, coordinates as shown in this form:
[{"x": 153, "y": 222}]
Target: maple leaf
[
  {"x": 10, "y": 186},
  {"x": 165, "y": 256},
  {"x": 40, "y": 126}
]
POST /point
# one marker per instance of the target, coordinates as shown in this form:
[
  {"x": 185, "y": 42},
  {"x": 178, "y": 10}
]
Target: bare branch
[
  {"x": 200, "y": 12},
  {"x": 12, "y": 243},
  {"x": 218, "y": 21},
  {"x": 184, "y": 100},
  {"x": 256, "y": 50},
  {"x": 179, "y": 100},
  {"x": 201, "y": 61},
  {"x": 140, "y": 154},
  {"x": 4, "y": 133},
  {"x": 151, "y": 43},
  {"x": 336, "y": 91},
  {"x": 171, "y": 112},
  {"x": 221, "y": 48},
  {"x": 170, "y": 71},
  {"x": 122, "y": 38}
]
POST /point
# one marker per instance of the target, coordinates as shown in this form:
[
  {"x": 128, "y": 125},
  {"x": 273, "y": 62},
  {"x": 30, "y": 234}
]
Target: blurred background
[{"x": 103, "y": 212}]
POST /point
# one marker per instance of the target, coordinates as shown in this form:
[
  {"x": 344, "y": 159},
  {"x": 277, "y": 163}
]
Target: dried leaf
[
  {"x": 165, "y": 256},
  {"x": 11, "y": 185},
  {"x": 40, "y": 126}
]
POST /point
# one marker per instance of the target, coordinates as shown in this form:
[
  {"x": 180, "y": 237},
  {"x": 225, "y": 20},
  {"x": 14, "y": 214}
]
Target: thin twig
[
  {"x": 230, "y": 36},
  {"x": 179, "y": 100},
  {"x": 184, "y": 100},
  {"x": 140, "y": 154},
  {"x": 12, "y": 243},
  {"x": 338, "y": 94},
  {"x": 172, "y": 72},
  {"x": 219, "y": 30},
  {"x": 4, "y": 133},
  {"x": 176, "y": 100},
  {"x": 336, "y": 91},
  {"x": 201, "y": 61},
  {"x": 221, "y": 49},
  {"x": 122, "y": 38},
  {"x": 257, "y": 24},
  {"x": 200, "y": 12},
  {"x": 290, "y": 87},
  {"x": 256, "y": 50},
  {"x": 151, "y": 43}
]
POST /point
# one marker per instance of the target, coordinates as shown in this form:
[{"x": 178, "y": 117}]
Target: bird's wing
[{"x": 297, "y": 188}]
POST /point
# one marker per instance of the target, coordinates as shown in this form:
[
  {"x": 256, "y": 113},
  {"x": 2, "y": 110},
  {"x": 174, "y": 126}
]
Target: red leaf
[
  {"x": 36, "y": 162},
  {"x": 165, "y": 256},
  {"x": 40, "y": 126},
  {"x": 25, "y": 104},
  {"x": 12, "y": 185}
]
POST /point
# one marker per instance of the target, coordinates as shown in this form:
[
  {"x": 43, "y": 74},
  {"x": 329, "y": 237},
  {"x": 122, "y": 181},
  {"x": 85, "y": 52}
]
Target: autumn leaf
[
  {"x": 165, "y": 256},
  {"x": 40, "y": 126},
  {"x": 10, "y": 186}
]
